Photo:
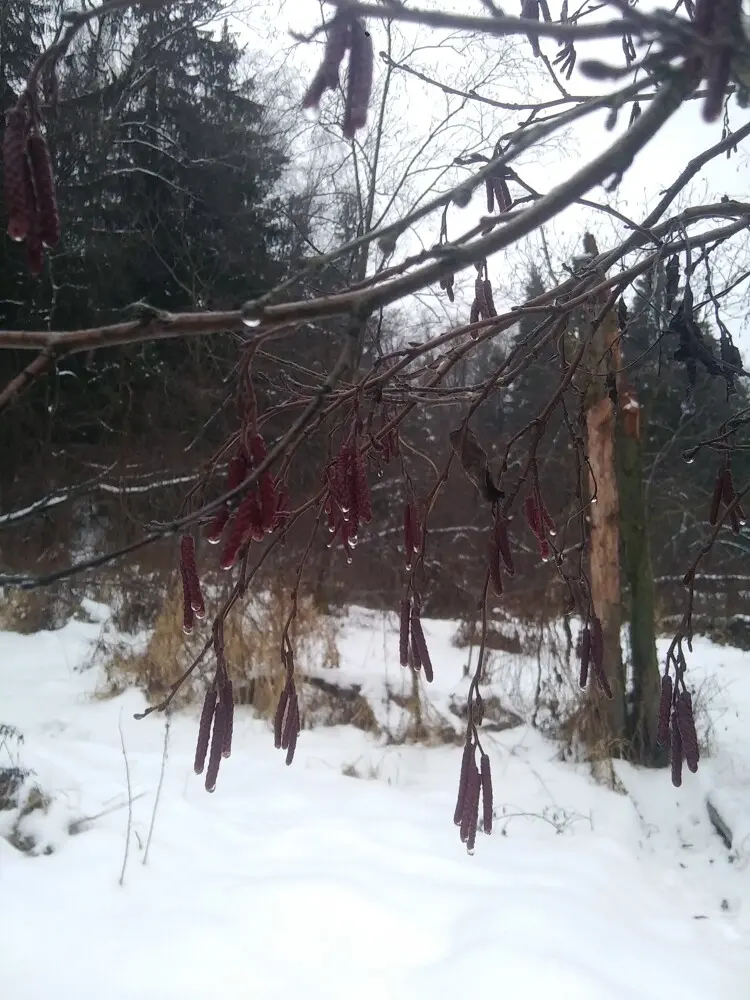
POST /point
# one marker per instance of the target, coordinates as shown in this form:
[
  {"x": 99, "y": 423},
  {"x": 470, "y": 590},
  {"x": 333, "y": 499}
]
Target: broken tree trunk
[{"x": 609, "y": 720}]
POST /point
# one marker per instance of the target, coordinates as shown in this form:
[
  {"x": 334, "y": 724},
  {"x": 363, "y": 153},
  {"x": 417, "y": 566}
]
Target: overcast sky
[{"x": 267, "y": 28}]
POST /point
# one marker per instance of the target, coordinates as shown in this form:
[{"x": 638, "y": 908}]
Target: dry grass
[
  {"x": 252, "y": 638},
  {"x": 29, "y": 611}
]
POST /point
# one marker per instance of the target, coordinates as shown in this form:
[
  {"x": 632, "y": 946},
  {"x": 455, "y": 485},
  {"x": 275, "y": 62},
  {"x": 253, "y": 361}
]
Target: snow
[{"x": 307, "y": 881}]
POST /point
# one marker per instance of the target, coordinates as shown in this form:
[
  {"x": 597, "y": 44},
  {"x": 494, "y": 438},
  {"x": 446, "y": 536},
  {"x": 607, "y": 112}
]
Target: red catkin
[
  {"x": 289, "y": 718},
  {"x": 585, "y": 656},
  {"x": 17, "y": 208},
  {"x": 486, "y": 776},
  {"x": 420, "y": 644},
  {"x": 686, "y": 725},
  {"x": 34, "y": 246},
  {"x": 493, "y": 560},
  {"x": 266, "y": 487},
  {"x": 217, "y": 745},
  {"x": 502, "y": 194},
  {"x": 236, "y": 472},
  {"x": 480, "y": 299},
  {"x": 246, "y": 525},
  {"x": 188, "y": 615},
  {"x": 278, "y": 721},
  {"x": 291, "y": 726},
  {"x": 471, "y": 808},
  {"x": 338, "y": 39},
  {"x": 44, "y": 185},
  {"x": 676, "y": 752},
  {"x": 191, "y": 583},
  {"x": 463, "y": 781},
  {"x": 204, "y": 730},
  {"x": 503, "y": 544},
  {"x": 403, "y": 638},
  {"x": 665, "y": 709},
  {"x": 415, "y": 661},
  {"x": 489, "y": 300},
  {"x": 291, "y": 749},
  {"x": 359, "y": 83}
]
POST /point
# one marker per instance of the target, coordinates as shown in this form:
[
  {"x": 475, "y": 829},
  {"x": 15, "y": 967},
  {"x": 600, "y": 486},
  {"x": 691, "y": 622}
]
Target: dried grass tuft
[{"x": 252, "y": 638}]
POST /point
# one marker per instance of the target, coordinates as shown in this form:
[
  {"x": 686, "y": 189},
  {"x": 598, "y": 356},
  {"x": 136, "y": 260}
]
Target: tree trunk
[
  {"x": 644, "y": 709},
  {"x": 607, "y": 722},
  {"x": 610, "y": 723}
]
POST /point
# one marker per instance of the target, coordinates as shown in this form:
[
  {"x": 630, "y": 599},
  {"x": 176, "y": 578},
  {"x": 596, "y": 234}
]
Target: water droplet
[
  {"x": 552, "y": 532},
  {"x": 545, "y": 559},
  {"x": 743, "y": 521},
  {"x": 251, "y": 321},
  {"x": 470, "y": 851},
  {"x": 344, "y": 510},
  {"x": 348, "y": 560},
  {"x": 213, "y": 539},
  {"x": 593, "y": 500},
  {"x": 332, "y": 528},
  {"x": 380, "y": 473},
  {"x": 354, "y": 541}
]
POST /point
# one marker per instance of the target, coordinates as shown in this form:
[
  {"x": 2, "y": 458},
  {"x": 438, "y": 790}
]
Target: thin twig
[
  {"x": 130, "y": 804},
  {"x": 165, "y": 748}
]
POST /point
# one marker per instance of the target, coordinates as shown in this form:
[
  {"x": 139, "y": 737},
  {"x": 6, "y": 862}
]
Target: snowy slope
[{"x": 303, "y": 881}]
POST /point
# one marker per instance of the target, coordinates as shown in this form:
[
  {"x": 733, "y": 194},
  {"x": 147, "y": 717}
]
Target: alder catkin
[
  {"x": 503, "y": 544},
  {"x": 17, "y": 209},
  {"x": 217, "y": 745},
  {"x": 188, "y": 615},
  {"x": 278, "y": 721},
  {"x": 236, "y": 472},
  {"x": 403, "y": 639},
  {"x": 246, "y": 525},
  {"x": 338, "y": 39},
  {"x": 486, "y": 776},
  {"x": 502, "y": 194},
  {"x": 489, "y": 300},
  {"x": 493, "y": 562},
  {"x": 463, "y": 781},
  {"x": 585, "y": 654},
  {"x": 420, "y": 645},
  {"x": 204, "y": 730},
  {"x": 359, "y": 84},
  {"x": 686, "y": 725},
  {"x": 34, "y": 246},
  {"x": 192, "y": 595},
  {"x": 471, "y": 808},
  {"x": 665, "y": 710},
  {"x": 676, "y": 752},
  {"x": 44, "y": 185}
]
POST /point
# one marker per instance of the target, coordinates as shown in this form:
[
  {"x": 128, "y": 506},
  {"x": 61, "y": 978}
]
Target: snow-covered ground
[{"x": 308, "y": 881}]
